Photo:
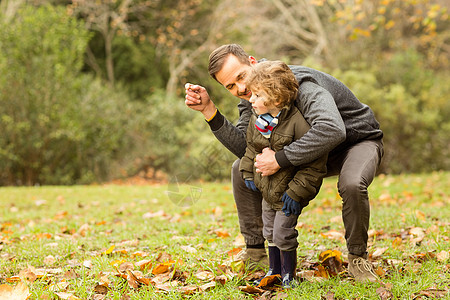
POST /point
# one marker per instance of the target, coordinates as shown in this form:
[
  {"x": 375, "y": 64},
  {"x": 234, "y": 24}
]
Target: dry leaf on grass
[
  {"x": 251, "y": 289},
  {"x": 333, "y": 235},
  {"x": 19, "y": 292},
  {"x": 207, "y": 286},
  {"x": 269, "y": 281},
  {"x": 431, "y": 293},
  {"x": 328, "y": 296},
  {"x": 331, "y": 260},
  {"x": 162, "y": 267},
  {"x": 204, "y": 275},
  {"x": 188, "y": 290},
  {"x": 443, "y": 256},
  {"x": 378, "y": 252},
  {"x": 144, "y": 264},
  {"x": 384, "y": 293}
]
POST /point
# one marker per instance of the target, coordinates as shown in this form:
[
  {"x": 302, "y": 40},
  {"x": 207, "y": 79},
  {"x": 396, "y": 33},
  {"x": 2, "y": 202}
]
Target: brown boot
[
  {"x": 254, "y": 257},
  {"x": 360, "y": 268}
]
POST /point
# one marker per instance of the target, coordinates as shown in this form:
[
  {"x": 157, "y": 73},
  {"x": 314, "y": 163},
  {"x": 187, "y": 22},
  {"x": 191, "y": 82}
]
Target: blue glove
[
  {"x": 251, "y": 185},
  {"x": 290, "y": 206}
]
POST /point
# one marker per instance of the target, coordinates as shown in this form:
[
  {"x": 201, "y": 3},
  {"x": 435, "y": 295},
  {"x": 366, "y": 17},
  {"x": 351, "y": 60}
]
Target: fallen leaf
[
  {"x": 83, "y": 229},
  {"x": 207, "y": 286},
  {"x": 222, "y": 279},
  {"x": 49, "y": 260},
  {"x": 420, "y": 215},
  {"x": 378, "y": 252},
  {"x": 109, "y": 250},
  {"x": 28, "y": 274},
  {"x": 204, "y": 275},
  {"x": 431, "y": 293},
  {"x": 60, "y": 286},
  {"x": 144, "y": 264},
  {"x": 19, "y": 292},
  {"x": 397, "y": 242},
  {"x": 87, "y": 264},
  {"x": 189, "y": 249},
  {"x": 162, "y": 268},
  {"x": 331, "y": 260},
  {"x": 234, "y": 251},
  {"x": 384, "y": 293},
  {"x": 164, "y": 256},
  {"x": 222, "y": 233},
  {"x": 101, "y": 289},
  {"x": 251, "y": 289},
  {"x": 328, "y": 296},
  {"x": 380, "y": 272},
  {"x": 443, "y": 256},
  {"x": 167, "y": 287},
  {"x": 239, "y": 241},
  {"x": 217, "y": 212},
  {"x": 269, "y": 281},
  {"x": 333, "y": 235},
  {"x": 125, "y": 266},
  {"x": 188, "y": 290}
]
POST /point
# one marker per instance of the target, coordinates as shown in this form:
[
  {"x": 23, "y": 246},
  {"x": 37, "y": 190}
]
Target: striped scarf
[{"x": 266, "y": 123}]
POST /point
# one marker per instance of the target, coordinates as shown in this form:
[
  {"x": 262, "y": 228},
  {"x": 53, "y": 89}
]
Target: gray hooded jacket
[{"x": 337, "y": 118}]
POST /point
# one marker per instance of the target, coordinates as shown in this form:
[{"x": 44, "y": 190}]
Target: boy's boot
[
  {"x": 274, "y": 264},
  {"x": 288, "y": 266},
  {"x": 360, "y": 268},
  {"x": 253, "y": 257}
]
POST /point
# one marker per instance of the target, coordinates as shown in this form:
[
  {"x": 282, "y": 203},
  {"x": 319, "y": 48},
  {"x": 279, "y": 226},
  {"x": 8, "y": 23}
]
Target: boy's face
[
  {"x": 257, "y": 100},
  {"x": 232, "y": 76}
]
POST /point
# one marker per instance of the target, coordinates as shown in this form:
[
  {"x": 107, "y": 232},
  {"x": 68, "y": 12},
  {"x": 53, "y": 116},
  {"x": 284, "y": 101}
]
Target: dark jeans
[{"x": 356, "y": 168}]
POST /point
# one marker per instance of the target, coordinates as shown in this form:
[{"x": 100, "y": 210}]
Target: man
[{"x": 341, "y": 126}]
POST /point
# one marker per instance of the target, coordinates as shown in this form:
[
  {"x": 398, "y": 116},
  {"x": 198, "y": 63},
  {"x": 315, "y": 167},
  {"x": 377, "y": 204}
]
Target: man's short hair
[
  {"x": 276, "y": 80},
  {"x": 217, "y": 57}
]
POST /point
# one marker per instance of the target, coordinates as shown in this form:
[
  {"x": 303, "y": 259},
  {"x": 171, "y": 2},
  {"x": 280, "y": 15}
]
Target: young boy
[{"x": 275, "y": 123}]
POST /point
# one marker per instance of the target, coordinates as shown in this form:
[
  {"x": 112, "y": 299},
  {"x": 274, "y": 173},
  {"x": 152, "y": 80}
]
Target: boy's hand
[
  {"x": 251, "y": 185},
  {"x": 290, "y": 206}
]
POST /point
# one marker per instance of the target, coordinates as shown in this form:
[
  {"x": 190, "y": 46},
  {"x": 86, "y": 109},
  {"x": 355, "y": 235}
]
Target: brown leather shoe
[
  {"x": 361, "y": 269},
  {"x": 254, "y": 257}
]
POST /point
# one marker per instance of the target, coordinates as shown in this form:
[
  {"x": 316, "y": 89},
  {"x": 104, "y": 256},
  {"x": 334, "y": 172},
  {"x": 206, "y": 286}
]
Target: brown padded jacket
[{"x": 302, "y": 183}]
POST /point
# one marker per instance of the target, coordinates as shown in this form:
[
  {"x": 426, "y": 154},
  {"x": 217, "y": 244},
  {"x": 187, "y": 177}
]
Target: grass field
[{"x": 169, "y": 242}]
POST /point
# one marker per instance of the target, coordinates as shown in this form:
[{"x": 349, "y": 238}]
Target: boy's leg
[
  {"x": 249, "y": 209},
  {"x": 268, "y": 216},
  {"x": 285, "y": 237}
]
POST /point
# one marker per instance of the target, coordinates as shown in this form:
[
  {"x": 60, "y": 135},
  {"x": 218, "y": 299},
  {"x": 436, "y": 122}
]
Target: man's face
[{"x": 232, "y": 76}]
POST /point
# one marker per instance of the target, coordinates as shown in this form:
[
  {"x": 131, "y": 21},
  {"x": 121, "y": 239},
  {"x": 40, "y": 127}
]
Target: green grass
[{"x": 38, "y": 222}]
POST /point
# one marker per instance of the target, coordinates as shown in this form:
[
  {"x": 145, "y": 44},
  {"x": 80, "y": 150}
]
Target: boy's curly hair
[{"x": 276, "y": 80}]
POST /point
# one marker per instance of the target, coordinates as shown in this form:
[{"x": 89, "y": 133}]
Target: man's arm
[
  {"x": 327, "y": 131},
  {"x": 232, "y": 137},
  {"x": 327, "y": 127}
]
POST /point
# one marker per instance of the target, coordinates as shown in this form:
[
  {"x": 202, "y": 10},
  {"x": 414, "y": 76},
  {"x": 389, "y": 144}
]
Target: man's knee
[{"x": 352, "y": 185}]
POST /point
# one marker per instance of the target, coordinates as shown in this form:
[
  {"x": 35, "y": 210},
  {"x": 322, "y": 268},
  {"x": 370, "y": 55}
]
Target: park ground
[{"x": 169, "y": 241}]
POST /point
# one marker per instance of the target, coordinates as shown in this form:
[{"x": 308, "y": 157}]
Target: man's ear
[{"x": 252, "y": 60}]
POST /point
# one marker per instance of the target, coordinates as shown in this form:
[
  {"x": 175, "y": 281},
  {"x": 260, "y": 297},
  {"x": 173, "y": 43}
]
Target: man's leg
[
  {"x": 249, "y": 209},
  {"x": 359, "y": 166}
]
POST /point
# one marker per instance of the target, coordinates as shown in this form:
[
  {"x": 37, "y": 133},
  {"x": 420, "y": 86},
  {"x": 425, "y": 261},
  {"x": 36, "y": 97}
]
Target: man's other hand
[{"x": 266, "y": 163}]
